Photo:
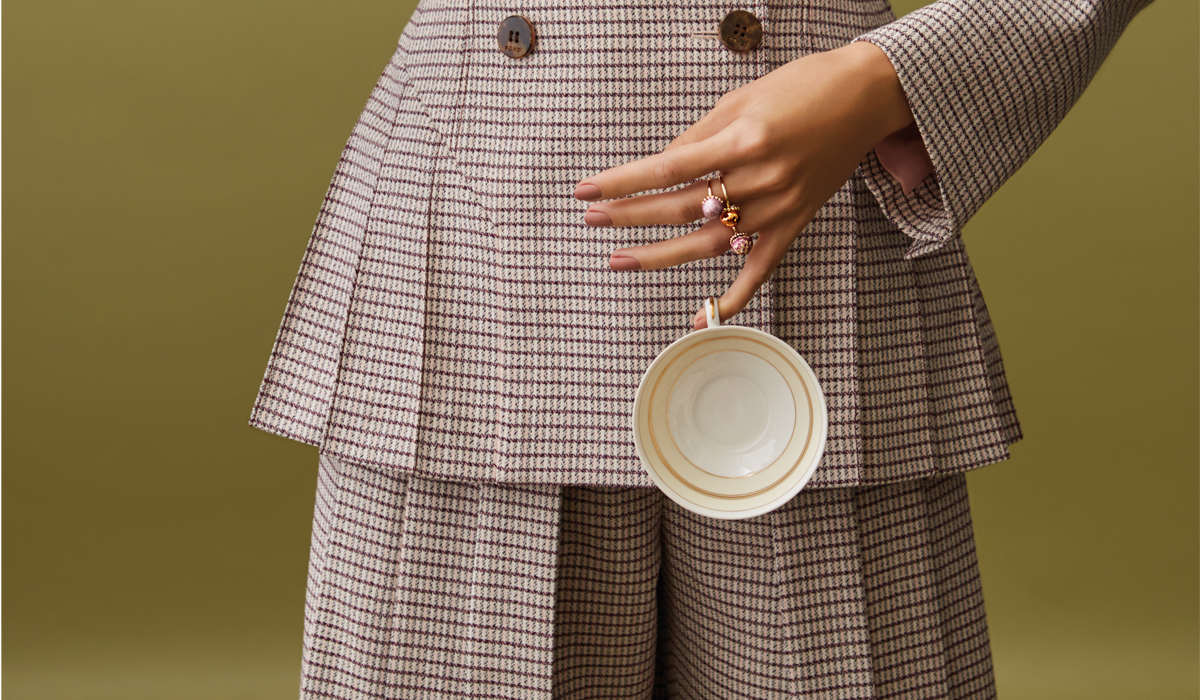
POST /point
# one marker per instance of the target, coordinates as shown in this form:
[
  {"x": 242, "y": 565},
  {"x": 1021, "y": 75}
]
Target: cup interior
[
  {"x": 730, "y": 422},
  {"x": 731, "y": 413}
]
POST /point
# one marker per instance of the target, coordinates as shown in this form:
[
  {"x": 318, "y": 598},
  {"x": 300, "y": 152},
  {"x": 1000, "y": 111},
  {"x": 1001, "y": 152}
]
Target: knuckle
[
  {"x": 733, "y": 97},
  {"x": 715, "y": 245},
  {"x": 776, "y": 179},
  {"x": 760, "y": 275},
  {"x": 684, "y": 212},
  {"x": 753, "y": 141},
  {"x": 666, "y": 172}
]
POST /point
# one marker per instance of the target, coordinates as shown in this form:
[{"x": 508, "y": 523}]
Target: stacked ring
[{"x": 713, "y": 206}]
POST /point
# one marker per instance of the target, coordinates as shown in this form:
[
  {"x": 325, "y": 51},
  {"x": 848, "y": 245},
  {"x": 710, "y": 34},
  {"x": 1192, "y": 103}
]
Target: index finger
[{"x": 659, "y": 171}]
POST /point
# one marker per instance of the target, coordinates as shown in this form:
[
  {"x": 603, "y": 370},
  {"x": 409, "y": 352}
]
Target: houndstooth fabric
[
  {"x": 454, "y": 318},
  {"x": 427, "y": 589}
]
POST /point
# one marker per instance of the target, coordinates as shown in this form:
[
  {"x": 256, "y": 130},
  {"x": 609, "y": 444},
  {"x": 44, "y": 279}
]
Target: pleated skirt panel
[{"x": 432, "y": 589}]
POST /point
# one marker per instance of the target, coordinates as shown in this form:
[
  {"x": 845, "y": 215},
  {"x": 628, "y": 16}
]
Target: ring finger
[
  {"x": 708, "y": 241},
  {"x": 680, "y": 206}
]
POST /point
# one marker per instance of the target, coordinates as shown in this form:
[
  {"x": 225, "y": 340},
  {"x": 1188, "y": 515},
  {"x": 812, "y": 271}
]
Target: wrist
[{"x": 883, "y": 97}]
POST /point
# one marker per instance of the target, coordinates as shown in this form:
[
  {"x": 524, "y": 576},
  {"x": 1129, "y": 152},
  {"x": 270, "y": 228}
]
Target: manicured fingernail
[
  {"x": 620, "y": 262},
  {"x": 597, "y": 218},
  {"x": 587, "y": 192}
]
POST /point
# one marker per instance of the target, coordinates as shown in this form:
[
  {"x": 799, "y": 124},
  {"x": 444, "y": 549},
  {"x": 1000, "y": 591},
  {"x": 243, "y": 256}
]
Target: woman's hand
[{"x": 784, "y": 145}]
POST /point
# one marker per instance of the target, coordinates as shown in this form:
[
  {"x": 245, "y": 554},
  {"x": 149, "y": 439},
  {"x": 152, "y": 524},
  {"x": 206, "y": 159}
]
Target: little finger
[{"x": 760, "y": 264}]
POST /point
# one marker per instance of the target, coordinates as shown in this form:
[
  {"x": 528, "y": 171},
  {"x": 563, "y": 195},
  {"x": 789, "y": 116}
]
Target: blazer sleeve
[{"x": 987, "y": 80}]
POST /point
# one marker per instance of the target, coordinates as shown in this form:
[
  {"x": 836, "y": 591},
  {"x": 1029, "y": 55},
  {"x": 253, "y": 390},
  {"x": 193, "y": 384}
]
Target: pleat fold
[
  {"x": 298, "y": 387},
  {"x": 430, "y": 589},
  {"x": 903, "y": 613},
  {"x": 1006, "y": 413},
  {"x": 962, "y": 406},
  {"x": 898, "y": 435},
  {"x": 924, "y": 602},
  {"x": 720, "y": 603},
  {"x": 843, "y": 594},
  {"x": 352, "y": 593},
  {"x": 816, "y": 296},
  {"x": 930, "y": 381},
  {"x": 511, "y": 620},
  {"x": 607, "y": 597},
  {"x": 374, "y": 418},
  {"x": 819, "y": 600},
  {"x": 968, "y": 662}
]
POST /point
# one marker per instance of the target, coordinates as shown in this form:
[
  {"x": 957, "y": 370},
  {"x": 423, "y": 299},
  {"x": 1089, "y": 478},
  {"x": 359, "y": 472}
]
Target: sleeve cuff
[
  {"x": 921, "y": 214},
  {"x": 920, "y": 210}
]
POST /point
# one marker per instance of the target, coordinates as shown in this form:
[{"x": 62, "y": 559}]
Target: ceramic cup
[{"x": 729, "y": 421}]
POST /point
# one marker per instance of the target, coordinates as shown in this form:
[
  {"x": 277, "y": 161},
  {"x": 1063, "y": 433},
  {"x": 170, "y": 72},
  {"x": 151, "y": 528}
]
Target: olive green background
[{"x": 164, "y": 163}]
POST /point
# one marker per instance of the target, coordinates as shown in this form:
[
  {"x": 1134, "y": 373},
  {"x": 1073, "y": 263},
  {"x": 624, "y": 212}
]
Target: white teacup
[{"x": 729, "y": 421}]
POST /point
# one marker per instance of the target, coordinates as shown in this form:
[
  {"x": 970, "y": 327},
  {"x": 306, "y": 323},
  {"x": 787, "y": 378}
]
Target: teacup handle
[{"x": 712, "y": 312}]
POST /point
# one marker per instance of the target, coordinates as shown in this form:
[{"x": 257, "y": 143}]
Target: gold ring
[{"x": 739, "y": 242}]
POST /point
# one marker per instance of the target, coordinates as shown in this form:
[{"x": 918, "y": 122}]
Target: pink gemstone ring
[
  {"x": 712, "y": 205},
  {"x": 741, "y": 243}
]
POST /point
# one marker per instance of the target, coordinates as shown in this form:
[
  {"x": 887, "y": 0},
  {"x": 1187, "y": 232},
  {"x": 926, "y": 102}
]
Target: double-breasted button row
[{"x": 740, "y": 31}]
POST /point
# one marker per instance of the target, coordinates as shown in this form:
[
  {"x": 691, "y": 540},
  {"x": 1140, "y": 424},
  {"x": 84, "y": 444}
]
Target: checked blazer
[{"x": 453, "y": 318}]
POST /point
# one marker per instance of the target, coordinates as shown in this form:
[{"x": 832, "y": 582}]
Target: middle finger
[{"x": 674, "y": 207}]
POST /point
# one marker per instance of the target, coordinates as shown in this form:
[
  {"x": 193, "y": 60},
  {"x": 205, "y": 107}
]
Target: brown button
[
  {"x": 740, "y": 31},
  {"x": 516, "y": 36}
]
